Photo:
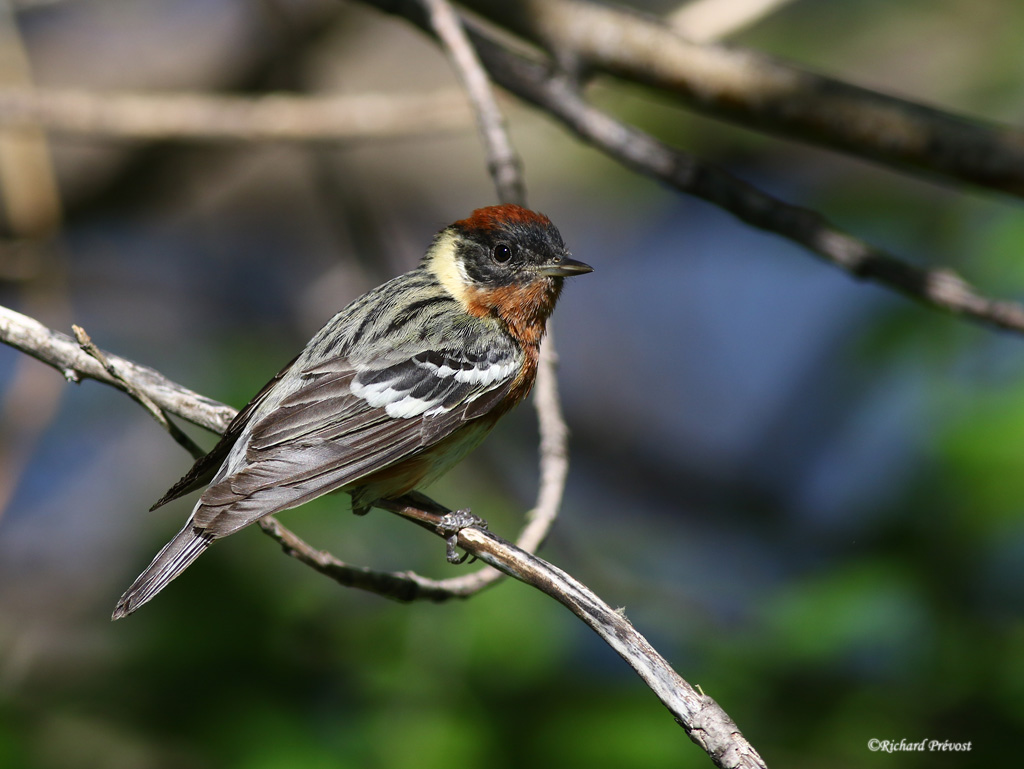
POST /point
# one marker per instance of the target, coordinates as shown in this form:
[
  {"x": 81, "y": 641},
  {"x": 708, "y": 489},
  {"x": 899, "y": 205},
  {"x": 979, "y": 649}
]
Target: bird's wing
[
  {"x": 205, "y": 468},
  {"x": 346, "y": 421}
]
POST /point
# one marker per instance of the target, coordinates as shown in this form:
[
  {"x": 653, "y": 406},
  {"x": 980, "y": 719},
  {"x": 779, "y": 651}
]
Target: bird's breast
[{"x": 524, "y": 307}]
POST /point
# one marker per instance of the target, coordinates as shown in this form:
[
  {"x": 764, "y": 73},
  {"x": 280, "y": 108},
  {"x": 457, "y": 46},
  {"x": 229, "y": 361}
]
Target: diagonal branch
[
  {"x": 703, "y": 719},
  {"x": 66, "y": 355},
  {"x": 140, "y": 397},
  {"x": 760, "y": 92}
]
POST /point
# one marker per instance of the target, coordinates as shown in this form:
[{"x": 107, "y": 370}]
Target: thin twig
[
  {"x": 554, "y": 452},
  {"x": 502, "y": 161},
  {"x": 143, "y": 400},
  {"x": 403, "y": 586}
]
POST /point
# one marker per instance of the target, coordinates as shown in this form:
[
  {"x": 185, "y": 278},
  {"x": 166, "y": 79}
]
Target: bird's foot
[{"x": 450, "y": 526}]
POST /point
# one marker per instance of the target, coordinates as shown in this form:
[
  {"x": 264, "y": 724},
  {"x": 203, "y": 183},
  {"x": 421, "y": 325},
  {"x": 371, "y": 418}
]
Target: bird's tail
[{"x": 176, "y": 556}]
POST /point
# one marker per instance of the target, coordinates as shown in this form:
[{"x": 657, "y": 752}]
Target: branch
[
  {"x": 554, "y": 452},
  {"x": 138, "y": 395},
  {"x": 749, "y": 88},
  {"x": 405, "y": 586},
  {"x": 502, "y": 161},
  {"x": 189, "y": 116},
  {"x": 702, "y": 718},
  {"x": 757, "y": 91},
  {"x": 65, "y": 354}
]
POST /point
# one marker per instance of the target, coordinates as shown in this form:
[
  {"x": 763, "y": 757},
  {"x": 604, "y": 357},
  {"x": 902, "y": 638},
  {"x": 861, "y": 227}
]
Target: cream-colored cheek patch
[{"x": 449, "y": 270}]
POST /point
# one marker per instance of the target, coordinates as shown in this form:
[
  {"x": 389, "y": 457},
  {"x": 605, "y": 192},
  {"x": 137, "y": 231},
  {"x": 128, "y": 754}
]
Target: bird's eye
[{"x": 502, "y": 253}]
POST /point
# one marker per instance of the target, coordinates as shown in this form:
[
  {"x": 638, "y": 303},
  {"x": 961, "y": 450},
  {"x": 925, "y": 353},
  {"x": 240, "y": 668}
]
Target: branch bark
[
  {"x": 706, "y": 723},
  {"x": 760, "y": 92},
  {"x": 703, "y": 719},
  {"x": 66, "y": 355}
]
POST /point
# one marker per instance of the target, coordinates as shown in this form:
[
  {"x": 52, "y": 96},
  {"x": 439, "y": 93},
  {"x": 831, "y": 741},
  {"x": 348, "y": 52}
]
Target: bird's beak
[{"x": 564, "y": 267}]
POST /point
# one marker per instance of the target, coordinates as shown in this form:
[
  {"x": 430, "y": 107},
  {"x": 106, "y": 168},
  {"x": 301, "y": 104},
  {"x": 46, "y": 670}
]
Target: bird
[{"x": 396, "y": 388}]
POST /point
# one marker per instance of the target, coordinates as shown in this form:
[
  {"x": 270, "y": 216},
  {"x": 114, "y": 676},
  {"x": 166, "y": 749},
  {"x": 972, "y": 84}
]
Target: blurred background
[{"x": 805, "y": 491}]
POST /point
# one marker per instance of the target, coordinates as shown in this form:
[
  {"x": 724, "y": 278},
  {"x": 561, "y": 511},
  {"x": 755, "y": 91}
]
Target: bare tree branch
[
  {"x": 749, "y": 88},
  {"x": 64, "y": 354},
  {"x": 746, "y": 87},
  {"x": 502, "y": 161},
  {"x": 140, "y": 397},
  {"x": 760, "y": 92},
  {"x": 703, "y": 719},
  {"x": 405, "y": 586},
  {"x": 279, "y": 117}
]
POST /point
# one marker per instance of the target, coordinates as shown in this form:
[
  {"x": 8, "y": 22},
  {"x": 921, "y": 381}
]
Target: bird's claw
[{"x": 450, "y": 526}]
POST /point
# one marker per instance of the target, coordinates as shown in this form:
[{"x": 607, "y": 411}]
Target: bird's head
[{"x": 505, "y": 261}]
